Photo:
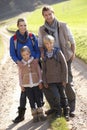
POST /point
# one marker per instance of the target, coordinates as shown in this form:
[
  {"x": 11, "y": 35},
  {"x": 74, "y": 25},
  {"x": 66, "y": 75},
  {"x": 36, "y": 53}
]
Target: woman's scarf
[{"x": 22, "y": 38}]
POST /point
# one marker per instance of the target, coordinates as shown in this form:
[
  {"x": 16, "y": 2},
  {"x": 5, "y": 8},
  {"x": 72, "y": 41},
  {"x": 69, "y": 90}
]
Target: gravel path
[{"x": 80, "y": 78}]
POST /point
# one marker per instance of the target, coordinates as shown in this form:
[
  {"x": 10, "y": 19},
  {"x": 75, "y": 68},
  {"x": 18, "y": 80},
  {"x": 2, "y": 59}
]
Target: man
[{"x": 63, "y": 40}]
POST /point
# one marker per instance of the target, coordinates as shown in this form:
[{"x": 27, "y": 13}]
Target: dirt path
[
  {"x": 80, "y": 78},
  {"x": 10, "y": 93}
]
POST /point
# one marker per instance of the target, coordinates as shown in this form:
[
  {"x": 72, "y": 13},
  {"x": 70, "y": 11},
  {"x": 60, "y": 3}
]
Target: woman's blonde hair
[{"x": 48, "y": 38}]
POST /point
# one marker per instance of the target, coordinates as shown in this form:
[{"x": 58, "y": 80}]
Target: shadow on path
[{"x": 29, "y": 126}]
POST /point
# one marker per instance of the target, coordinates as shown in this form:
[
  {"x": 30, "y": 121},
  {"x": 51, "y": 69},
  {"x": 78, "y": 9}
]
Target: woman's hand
[
  {"x": 22, "y": 89},
  {"x": 20, "y": 64},
  {"x": 40, "y": 86}
]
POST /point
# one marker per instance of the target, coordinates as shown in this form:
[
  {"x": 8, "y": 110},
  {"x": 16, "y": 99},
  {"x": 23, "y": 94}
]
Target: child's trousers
[
  {"x": 33, "y": 96},
  {"x": 56, "y": 96}
]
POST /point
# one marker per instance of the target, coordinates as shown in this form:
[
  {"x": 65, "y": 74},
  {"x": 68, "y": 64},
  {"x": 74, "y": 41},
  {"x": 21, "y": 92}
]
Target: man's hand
[
  {"x": 73, "y": 56},
  {"x": 73, "y": 50},
  {"x": 42, "y": 55},
  {"x": 64, "y": 84},
  {"x": 46, "y": 85}
]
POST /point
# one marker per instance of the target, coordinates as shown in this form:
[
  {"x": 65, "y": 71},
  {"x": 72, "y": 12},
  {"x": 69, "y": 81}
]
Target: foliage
[{"x": 59, "y": 124}]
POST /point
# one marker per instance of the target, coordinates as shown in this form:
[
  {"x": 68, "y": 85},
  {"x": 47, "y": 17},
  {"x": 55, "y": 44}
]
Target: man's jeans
[{"x": 70, "y": 88}]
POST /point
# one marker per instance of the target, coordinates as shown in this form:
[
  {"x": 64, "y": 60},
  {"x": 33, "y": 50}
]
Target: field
[{"x": 73, "y": 12}]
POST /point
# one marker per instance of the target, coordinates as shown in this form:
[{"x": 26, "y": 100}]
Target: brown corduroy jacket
[
  {"x": 55, "y": 71},
  {"x": 26, "y": 70}
]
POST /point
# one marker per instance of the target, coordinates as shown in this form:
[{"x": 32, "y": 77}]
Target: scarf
[
  {"x": 49, "y": 54},
  {"x": 22, "y": 38},
  {"x": 53, "y": 30},
  {"x": 51, "y": 27}
]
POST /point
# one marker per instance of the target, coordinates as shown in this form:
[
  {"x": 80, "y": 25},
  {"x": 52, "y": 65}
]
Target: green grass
[
  {"x": 73, "y": 12},
  {"x": 1, "y": 48},
  {"x": 81, "y": 44},
  {"x": 59, "y": 124}
]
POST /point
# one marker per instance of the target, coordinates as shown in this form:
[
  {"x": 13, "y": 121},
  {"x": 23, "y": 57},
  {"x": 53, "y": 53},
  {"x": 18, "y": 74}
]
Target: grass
[
  {"x": 81, "y": 44},
  {"x": 59, "y": 124},
  {"x": 1, "y": 48}
]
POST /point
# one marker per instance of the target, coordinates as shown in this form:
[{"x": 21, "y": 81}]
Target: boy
[
  {"x": 55, "y": 77},
  {"x": 30, "y": 78}
]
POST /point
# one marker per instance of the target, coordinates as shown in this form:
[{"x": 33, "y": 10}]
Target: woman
[{"x": 17, "y": 41}]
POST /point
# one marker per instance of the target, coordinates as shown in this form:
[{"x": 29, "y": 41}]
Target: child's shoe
[
  {"x": 20, "y": 117},
  {"x": 49, "y": 112},
  {"x": 41, "y": 116},
  {"x": 35, "y": 115}
]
